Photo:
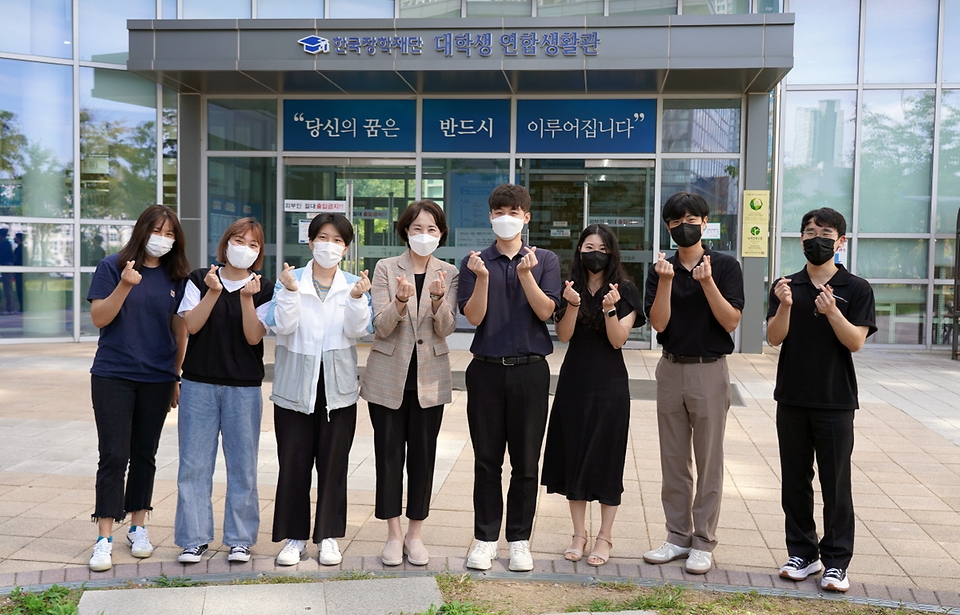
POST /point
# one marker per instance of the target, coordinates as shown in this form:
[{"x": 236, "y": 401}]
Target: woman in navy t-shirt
[{"x": 133, "y": 299}]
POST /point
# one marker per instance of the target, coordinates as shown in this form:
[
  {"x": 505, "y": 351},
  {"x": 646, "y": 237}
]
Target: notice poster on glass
[{"x": 756, "y": 223}]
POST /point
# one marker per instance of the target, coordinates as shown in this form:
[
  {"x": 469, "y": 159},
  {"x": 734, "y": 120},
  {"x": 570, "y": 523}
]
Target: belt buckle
[{"x": 508, "y": 361}]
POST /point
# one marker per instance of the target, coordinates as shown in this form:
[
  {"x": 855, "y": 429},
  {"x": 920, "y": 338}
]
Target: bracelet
[
  {"x": 436, "y": 297},
  {"x": 398, "y": 299},
  {"x": 576, "y": 305}
]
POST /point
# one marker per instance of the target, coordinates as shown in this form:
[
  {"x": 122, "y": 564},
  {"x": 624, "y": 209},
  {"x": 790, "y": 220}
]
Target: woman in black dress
[{"x": 587, "y": 435}]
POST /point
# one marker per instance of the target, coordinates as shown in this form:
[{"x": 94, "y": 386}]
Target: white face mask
[
  {"x": 424, "y": 245},
  {"x": 507, "y": 227},
  {"x": 241, "y": 257},
  {"x": 327, "y": 254},
  {"x": 157, "y": 245}
]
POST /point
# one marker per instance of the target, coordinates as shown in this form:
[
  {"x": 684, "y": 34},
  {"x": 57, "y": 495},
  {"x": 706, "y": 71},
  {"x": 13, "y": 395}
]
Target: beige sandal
[
  {"x": 596, "y": 556},
  {"x": 575, "y": 555}
]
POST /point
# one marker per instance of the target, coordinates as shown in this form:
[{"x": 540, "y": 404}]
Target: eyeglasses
[{"x": 809, "y": 233}]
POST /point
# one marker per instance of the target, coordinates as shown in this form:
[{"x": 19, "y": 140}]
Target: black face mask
[
  {"x": 818, "y": 250},
  {"x": 595, "y": 261},
  {"x": 686, "y": 235}
]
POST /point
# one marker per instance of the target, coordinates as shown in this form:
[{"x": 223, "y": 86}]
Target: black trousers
[
  {"x": 305, "y": 441},
  {"x": 129, "y": 418},
  {"x": 828, "y": 434},
  {"x": 506, "y": 410},
  {"x": 409, "y": 431}
]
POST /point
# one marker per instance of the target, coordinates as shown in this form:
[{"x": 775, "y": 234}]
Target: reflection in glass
[
  {"x": 170, "y": 133},
  {"x": 943, "y": 309},
  {"x": 367, "y": 9},
  {"x": 951, "y": 41},
  {"x": 948, "y": 179},
  {"x": 118, "y": 143},
  {"x": 817, "y": 154},
  {"x": 717, "y": 181},
  {"x": 825, "y": 41},
  {"x": 430, "y": 8},
  {"x": 97, "y": 241},
  {"x": 37, "y": 27},
  {"x": 896, "y": 161},
  {"x": 461, "y": 187},
  {"x": 792, "y": 259},
  {"x": 944, "y": 259},
  {"x": 222, "y": 9},
  {"x": 36, "y": 139},
  {"x": 103, "y": 27},
  {"x": 560, "y": 8},
  {"x": 901, "y": 313},
  {"x": 238, "y": 125},
  {"x": 913, "y": 59},
  {"x": 643, "y": 7},
  {"x": 892, "y": 258},
  {"x": 499, "y": 8},
  {"x": 238, "y": 188},
  {"x": 701, "y": 125},
  {"x": 715, "y": 7},
  {"x": 46, "y": 309},
  {"x": 284, "y": 9},
  {"x": 169, "y": 11}
]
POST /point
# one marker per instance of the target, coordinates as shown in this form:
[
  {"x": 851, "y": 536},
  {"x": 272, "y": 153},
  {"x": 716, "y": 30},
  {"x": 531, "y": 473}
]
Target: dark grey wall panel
[{"x": 189, "y": 148}]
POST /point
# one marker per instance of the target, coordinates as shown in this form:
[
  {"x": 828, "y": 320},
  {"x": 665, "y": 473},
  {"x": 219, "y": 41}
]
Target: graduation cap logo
[{"x": 315, "y": 44}]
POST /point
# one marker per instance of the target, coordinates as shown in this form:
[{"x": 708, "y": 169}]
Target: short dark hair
[
  {"x": 510, "y": 195},
  {"x": 827, "y": 218},
  {"x": 240, "y": 227},
  {"x": 683, "y": 203},
  {"x": 339, "y": 222},
  {"x": 412, "y": 212}
]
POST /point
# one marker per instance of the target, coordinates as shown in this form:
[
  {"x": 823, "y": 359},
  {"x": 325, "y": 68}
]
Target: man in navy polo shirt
[
  {"x": 693, "y": 300},
  {"x": 507, "y": 291},
  {"x": 822, "y": 314}
]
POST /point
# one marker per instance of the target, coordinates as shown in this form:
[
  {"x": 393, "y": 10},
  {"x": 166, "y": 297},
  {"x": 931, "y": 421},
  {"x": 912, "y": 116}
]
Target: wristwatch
[{"x": 611, "y": 312}]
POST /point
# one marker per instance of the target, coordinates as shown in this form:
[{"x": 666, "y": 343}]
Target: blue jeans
[{"x": 206, "y": 411}]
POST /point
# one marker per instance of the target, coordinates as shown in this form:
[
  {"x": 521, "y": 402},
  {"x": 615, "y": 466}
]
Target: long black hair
[
  {"x": 173, "y": 262},
  {"x": 613, "y": 274}
]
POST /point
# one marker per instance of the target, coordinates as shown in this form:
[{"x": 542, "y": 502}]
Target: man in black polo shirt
[
  {"x": 822, "y": 314},
  {"x": 508, "y": 291},
  {"x": 693, "y": 300}
]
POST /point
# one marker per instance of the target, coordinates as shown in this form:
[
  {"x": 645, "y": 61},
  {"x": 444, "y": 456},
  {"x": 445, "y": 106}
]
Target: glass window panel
[
  {"x": 701, "y": 125},
  {"x": 169, "y": 9},
  {"x": 237, "y": 188},
  {"x": 170, "y": 134},
  {"x": 951, "y": 41},
  {"x": 289, "y": 9},
  {"x": 103, "y": 27},
  {"x": 714, "y": 180},
  {"x": 222, "y": 9},
  {"x": 429, "y": 8},
  {"x": 46, "y": 309},
  {"x": 499, "y": 8},
  {"x": 36, "y": 139},
  {"x": 948, "y": 178},
  {"x": 944, "y": 258},
  {"x": 901, "y": 310},
  {"x": 896, "y": 161},
  {"x": 818, "y": 142},
  {"x": 118, "y": 143},
  {"x": 98, "y": 241},
  {"x": 825, "y": 41},
  {"x": 37, "y": 27},
  {"x": 715, "y": 7},
  {"x": 242, "y": 125},
  {"x": 461, "y": 187},
  {"x": 792, "y": 259},
  {"x": 559, "y": 8},
  {"x": 367, "y": 9},
  {"x": 943, "y": 308},
  {"x": 770, "y": 6},
  {"x": 643, "y": 7},
  {"x": 44, "y": 245},
  {"x": 892, "y": 258},
  {"x": 914, "y": 28}
]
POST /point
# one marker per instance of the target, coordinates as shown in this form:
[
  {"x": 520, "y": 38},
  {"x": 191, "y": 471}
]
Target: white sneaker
[
  {"x": 102, "y": 558},
  {"x": 520, "y": 558},
  {"x": 699, "y": 562},
  {"x": 239, "y": 553},
  {"x": 291, "y": 552},
  {"x": 482, "y": 556},
  {"x": 139, "y": 541},
  {"x": 835, "y": 580},
  {"x": 330, "y": 552},
  {"x": 666, "y": 553},
  {"x": 798, "y": 569}
]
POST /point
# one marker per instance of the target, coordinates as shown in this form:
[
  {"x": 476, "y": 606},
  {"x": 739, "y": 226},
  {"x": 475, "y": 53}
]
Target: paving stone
[
  {"x": 948, "y": 598},
  {"x": 877, "y": 591},
  {"x": 172, "y": 569},
  {"x": 218, "y": 565},
  {"x": 856, "y": 589},
  {"x": 55, "y": 575},
  {"x": 759, "y": 579},
  {"x": 262, "y": 564},
  {"x": 562, "y": 566},
  {"x": 456, "y": 564},
  {"x": 738, "y": 577},
  {"x": 31, "y": 577},
  {"x": 650, "y": 571},
  {"x": 630, "y": 571},
  {"x": 671, "y": 573},
  {"x": 781, "y": 583},
  {"x": 437, "y": 564},
  {"x": 351, "y": 562},
  {"x": 234, "y": 566},
  {"x": 149, "y": 569},
  {"x": 900, "y": 594},
  {"x": 312, "y": 564},
  {"x": 923, "y": 596},
  {"x": 716, "y": 576},
  {"x": 8, "y": 579},
  {"x": 373, "y": 563}
]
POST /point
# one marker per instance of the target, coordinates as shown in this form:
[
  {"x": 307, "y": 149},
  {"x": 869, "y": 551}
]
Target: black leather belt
[
  {"x": 675, "y": 358},
  {"x": 531, "y": 358}
]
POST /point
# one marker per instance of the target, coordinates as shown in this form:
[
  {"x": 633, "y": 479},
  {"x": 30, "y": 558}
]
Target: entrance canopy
[{"x": 676, "y": 54}]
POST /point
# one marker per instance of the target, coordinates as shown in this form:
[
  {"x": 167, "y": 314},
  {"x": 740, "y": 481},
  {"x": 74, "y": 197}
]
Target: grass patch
[
  {"x": 354, "y": 575},
  {"x": 54, "y": 601},
  {"x": 459, "y": 608},
  {"x": 165, "y": 581},
  {"x": 274, "y": 580},
  {"x": 454, "y": 587}
]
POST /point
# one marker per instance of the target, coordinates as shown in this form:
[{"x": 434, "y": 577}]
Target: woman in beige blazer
[{"x": 414, "y": 307}]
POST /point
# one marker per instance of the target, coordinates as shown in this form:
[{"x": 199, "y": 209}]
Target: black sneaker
[
  {"x": 835, "y": 580},
  {"x": 239, "y": 554},
  {"x": 798, "y": 569},
  {"x": 192, "y": 556}
]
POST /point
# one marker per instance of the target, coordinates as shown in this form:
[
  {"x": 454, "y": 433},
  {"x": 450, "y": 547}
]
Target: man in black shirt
[
  {"x": 822, "y": 314},
  {"x": 507, "y": 291},
  {"x": 693, "y": 300}
]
